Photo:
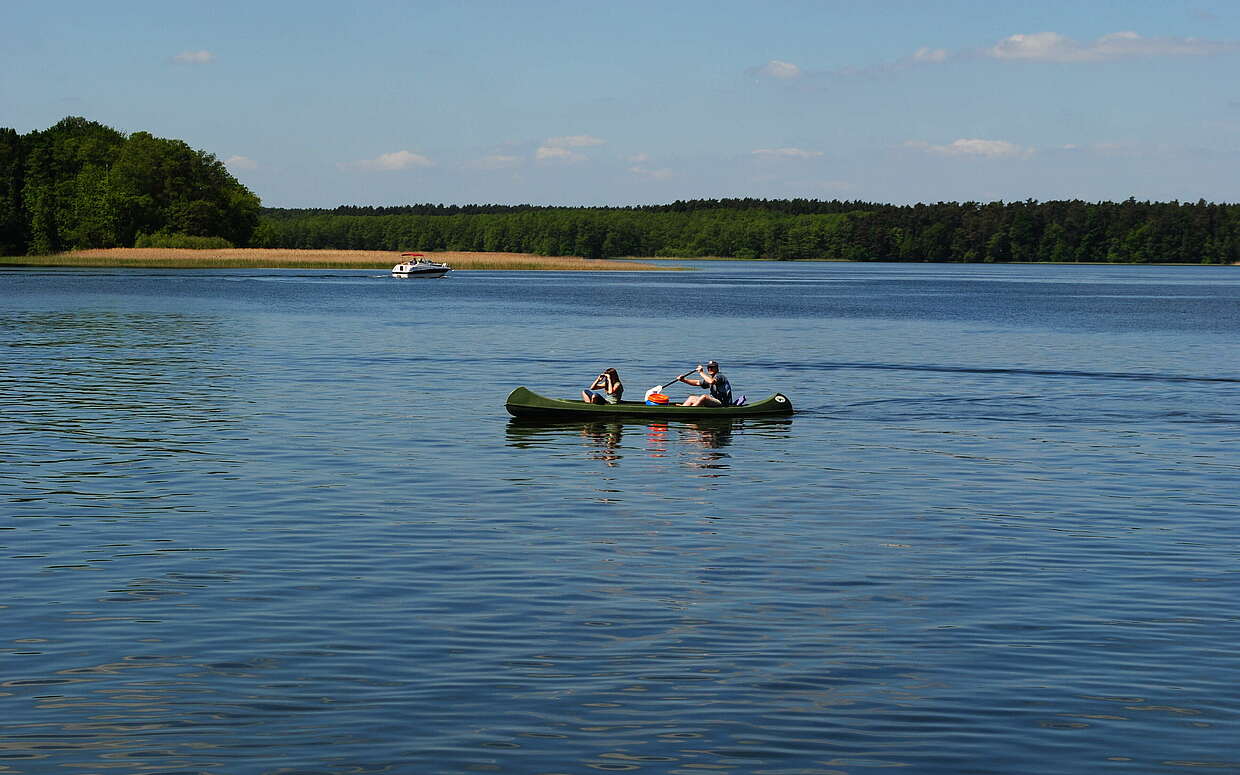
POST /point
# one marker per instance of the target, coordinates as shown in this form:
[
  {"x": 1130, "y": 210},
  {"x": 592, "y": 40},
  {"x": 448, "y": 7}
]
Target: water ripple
[{"x": 253, "y": 525}]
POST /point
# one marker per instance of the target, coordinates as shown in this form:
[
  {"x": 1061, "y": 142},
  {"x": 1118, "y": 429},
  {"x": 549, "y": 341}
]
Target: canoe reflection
[{"x": 699, "y": 444}]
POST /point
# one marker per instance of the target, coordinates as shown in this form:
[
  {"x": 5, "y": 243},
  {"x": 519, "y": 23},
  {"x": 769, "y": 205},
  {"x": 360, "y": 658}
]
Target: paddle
[{"x": 659, "y": 388}]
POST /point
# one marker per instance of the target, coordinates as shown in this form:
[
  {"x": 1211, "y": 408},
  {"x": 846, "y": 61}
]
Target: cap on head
[{"x": 712, "y": 364}]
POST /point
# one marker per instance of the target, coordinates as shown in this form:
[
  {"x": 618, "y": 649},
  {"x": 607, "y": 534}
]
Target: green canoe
[{"x": 523, "y": 402}]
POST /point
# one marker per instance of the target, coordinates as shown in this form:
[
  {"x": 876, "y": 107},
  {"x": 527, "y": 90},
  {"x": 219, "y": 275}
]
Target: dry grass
[{"x": 252, "y": 258}]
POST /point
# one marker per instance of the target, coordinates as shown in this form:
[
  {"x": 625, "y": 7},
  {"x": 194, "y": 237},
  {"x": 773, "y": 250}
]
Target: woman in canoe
[
  {"x": 720, "y": 389},
  {"x": 609, "y": 383}
]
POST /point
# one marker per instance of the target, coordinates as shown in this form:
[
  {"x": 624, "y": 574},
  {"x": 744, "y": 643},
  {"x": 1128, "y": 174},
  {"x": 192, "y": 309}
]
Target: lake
[{"x": 279, "y": 522}]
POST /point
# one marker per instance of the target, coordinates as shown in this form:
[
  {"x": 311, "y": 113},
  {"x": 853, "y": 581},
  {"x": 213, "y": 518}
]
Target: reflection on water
[
  {"x": 605, "y": 439},
  {"x": 697, "y": 444}
]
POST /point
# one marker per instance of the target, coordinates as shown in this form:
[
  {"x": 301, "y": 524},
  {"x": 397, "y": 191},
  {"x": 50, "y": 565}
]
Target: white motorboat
[{"x": 418, "y": 265}]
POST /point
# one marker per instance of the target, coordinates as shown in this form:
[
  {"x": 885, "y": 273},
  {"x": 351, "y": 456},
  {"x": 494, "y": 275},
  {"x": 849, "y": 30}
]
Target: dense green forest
[
  {"x": 80, "y": 184},
  {"x": 1068, "y": 231}
]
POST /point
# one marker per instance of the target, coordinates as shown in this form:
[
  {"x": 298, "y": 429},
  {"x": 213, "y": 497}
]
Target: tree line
[
  {"x": 587, "y": 232},
  {"x": 1062, "y": 231},
  {"x": 80, "y": 184}
]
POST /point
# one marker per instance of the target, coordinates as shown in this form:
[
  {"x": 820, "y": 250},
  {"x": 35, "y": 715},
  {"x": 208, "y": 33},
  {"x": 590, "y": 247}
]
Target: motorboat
[{"x": 418, "y": 265}]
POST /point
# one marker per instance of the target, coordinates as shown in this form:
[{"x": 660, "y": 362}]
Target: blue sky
[{"x": 315, "y": 104}]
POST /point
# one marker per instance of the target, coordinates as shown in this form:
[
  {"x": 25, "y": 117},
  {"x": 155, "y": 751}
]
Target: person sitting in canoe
[
  {"x": 720, "y": 389},
  {"x": 609, "y": 383}
]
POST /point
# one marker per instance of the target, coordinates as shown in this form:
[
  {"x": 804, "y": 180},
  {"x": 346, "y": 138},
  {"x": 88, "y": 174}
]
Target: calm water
[{"x": 278, "y": 522}]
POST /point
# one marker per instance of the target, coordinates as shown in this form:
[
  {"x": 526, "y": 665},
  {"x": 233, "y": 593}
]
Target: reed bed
[{"x": 255, "y": 258}]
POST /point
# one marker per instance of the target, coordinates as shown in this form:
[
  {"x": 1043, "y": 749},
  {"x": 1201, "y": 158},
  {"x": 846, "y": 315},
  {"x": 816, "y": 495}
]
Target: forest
[
  {"x": 82, "y": 185},
  {"x": 1059, "y": 231}
]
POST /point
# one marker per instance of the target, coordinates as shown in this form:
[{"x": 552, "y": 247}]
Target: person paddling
[{"x": 720, "y": 389}]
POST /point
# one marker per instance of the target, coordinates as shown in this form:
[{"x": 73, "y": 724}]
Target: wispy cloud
[
  {"x": 240, "y": 163},
  {"x": 550, "y": 153},
  {"x": 561, "y": 148},
  {"x": 785, "y": 153},
  {"x": 574, "y": 141},
  {"x": 1028, "y": 47},
  {"x": 661, "y": 173},
  {"x": 641, "y": 168},
  {"x": 990, "y": 149},
  {"x": 779, "y": 69},
  {"x": 1125, "y": 148},
  {"x": 495, "y": 161},
  {"x": 389, "y": 162},
  {"x": 1054, "y": 47},
  {"x": 202, "y": 57},
  {"x": 931, "y": 55}
]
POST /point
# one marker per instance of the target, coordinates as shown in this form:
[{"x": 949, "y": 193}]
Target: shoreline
[
  {"x": 924, "y": 261},
  {"x": 279, "y": 258},
  {"x": 382, "y": 260}
]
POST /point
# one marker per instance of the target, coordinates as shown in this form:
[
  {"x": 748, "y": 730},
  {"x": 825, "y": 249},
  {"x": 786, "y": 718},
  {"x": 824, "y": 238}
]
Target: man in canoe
[{"x": 720, "y": 389}]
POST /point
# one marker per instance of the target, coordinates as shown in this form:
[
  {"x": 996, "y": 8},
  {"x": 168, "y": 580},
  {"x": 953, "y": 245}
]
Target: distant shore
[
  {"x": 254, "y": 258},
  {"x": 279, "y": 258}
]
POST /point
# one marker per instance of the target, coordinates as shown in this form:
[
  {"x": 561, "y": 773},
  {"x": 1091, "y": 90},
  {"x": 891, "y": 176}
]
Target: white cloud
[
  {"x": 194, "y": 57},
  {"x": 549, "y": 153},
  {"x": 240, "y": 163},
  {"x": 931, "y": 55},
  {"x": 557, "y": 148},
  {"x": 1053, "y": 47},
  {"x": 640, "y": 167},
  {"x": 785, "y": 153},
  {"x": 990, "y": 149},
  {"x": 1050, "y": 46},
  {"x": 1029, "y": 47},
  {"x": 390, "y": 162},
  {"x": 779, "y": 69}
]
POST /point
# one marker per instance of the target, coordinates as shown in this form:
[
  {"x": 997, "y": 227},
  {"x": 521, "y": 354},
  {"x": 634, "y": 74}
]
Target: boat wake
[{"x": 999, "y": 371}]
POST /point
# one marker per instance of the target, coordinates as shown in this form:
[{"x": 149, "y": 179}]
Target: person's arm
[
  {"x": 613, "y": 385},
  {"x": 599, "y": 382}
]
